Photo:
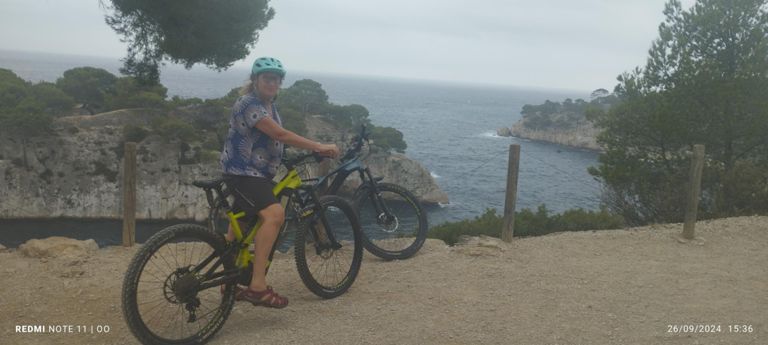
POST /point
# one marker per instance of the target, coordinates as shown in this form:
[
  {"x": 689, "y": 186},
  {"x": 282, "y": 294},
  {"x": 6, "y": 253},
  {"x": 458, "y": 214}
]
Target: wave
[
  {"x": 491, "y": 134},
  {"x": 432, "y": 173}
]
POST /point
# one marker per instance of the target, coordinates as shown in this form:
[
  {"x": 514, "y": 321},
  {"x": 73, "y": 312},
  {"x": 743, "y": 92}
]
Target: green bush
[
  {"x": 27, "y": 110},
  {"x": 740, "y": 191},
  {"x": 130, "y": 94},
  {"x": 88, "y": 86},
  {"x": 134, "y": 133},
  {"x": 388, "y": 138},
  {"x": 348, "y": 117},
  {"x": 12, "y": 89},
  {"x": 51, "y": 99},
  {"x": 293, "y": 121},
  {"x": 171, "y": 128},
  {"x": 177, "y": 102},
  {"x": 209, "y": 156},
  {"x": 488, "y": 224},
  {"x": 527, "y": 223}
]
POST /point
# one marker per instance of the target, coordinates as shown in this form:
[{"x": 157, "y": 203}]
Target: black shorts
[{"x": 252, "y": 194}]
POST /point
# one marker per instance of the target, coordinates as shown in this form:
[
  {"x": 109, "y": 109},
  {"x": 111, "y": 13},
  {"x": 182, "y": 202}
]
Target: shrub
[
  {"x": 293, "y": 120},
  {"x": 173, "y": 128},
  {"x": 12, "y": 89},
  {"x": 88, "y": 85},
  {"x": 130, "y": 94},
  {"x": 134, "y": 133},
  {"x": 488, "y": 224},
  {"x": 527, "y": 223},
  {"x": 209, "y": 156},
  {"x": 388, "y": 138},
  {"x": 51, "y": 99}
]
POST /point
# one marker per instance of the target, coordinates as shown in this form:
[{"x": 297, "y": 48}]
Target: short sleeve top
[{"x": 247, "y": 150}]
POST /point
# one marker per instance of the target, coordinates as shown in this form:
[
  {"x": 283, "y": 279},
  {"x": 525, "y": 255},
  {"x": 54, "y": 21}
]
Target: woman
[{"x": 251, "y": 156}]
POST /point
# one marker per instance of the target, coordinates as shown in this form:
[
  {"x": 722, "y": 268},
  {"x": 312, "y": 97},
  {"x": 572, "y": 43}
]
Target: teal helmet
[{"x": 268, "y": 64}]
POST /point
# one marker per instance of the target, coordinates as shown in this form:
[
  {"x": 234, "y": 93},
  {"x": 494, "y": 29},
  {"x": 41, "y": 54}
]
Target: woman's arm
[{"x": 274, "y": 131}]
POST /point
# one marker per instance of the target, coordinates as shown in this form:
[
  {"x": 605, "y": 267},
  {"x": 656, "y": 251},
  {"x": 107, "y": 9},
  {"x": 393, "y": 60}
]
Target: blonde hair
[{"x": 250, "y": 86}]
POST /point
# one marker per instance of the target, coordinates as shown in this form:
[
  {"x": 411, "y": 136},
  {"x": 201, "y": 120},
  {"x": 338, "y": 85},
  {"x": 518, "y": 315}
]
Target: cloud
[{"x": 548, "y": 43}]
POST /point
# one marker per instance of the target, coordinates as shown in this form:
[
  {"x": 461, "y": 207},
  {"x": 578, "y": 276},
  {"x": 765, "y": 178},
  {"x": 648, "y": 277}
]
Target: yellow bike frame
[{"x": 290, "y": 181}]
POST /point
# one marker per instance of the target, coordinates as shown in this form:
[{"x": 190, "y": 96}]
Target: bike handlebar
[
  {"x": 292, "y": 163},
  {"x": 357, "y": 144}
]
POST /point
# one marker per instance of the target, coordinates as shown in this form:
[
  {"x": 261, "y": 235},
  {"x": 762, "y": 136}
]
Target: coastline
[{"x": 580, "y": 137}]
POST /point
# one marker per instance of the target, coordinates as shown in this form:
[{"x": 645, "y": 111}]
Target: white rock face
[
  {"x": 76, "y": 171},
  {"x": 583, "y": 136},
  {"x": 394, "y": 168}
]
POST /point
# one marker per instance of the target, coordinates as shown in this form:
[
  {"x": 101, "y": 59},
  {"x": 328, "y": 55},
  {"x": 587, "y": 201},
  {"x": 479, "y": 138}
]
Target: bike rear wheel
[
  {"x": 160, "y": 300},
  {"x": 395, "y": 229},
  {"x": 329, "y": 258}
]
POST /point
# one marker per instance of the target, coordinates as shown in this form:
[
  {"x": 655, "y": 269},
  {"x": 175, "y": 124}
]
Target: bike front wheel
[
  {"x": 161, "y": 299},
  {"x": 393, "y": 222},
  {"x": 329, "y": 253}
]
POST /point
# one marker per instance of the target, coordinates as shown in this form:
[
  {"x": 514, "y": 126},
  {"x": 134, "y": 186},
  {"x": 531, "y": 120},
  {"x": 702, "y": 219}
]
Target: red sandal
[{"x": 268, "y": 298}]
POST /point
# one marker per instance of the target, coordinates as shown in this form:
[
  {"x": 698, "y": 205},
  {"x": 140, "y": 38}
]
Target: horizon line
[{"x": 492, "y": 85}]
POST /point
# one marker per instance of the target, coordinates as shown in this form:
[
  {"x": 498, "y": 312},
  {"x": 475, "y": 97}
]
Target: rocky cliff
[
  {"x": 393, "y": 167},
  {"x": 582, "y": 136},
  {"x": 75, "y": 171}
]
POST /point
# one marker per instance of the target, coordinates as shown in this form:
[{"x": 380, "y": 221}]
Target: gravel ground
[{"x": 604, "y": 287}]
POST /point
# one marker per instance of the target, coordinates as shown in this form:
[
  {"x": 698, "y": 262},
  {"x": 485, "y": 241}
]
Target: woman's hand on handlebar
[{"x": 327, "y": 150}]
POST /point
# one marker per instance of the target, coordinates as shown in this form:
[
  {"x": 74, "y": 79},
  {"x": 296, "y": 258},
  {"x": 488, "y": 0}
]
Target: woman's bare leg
[{"x": 273, "y": 217}]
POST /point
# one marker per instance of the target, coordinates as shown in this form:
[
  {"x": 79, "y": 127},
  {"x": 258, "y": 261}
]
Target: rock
[
  {"x": 394, "y": 168},
  {"x": 479, "y": 246},
  {"x": 71, "y": 272},
  {"x": 433, "y": 245},
  {"x": 583, "y": 136},
  {"x": 58, "y": 247},
  {"x": 399, "y": 169},
  {"x": 3, "y": 249},
  {"x": 79, "y": 168},
  {"x": 504, "y": 132}
]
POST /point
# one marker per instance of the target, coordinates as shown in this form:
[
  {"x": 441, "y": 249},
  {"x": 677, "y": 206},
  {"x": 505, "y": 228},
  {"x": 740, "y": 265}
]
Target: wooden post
[
  {"x": 511, "y": 200},
  {"x": 694, "y": 190},
  {"x": 129, "y": 194},
  {"x": 324, "y": 168}
]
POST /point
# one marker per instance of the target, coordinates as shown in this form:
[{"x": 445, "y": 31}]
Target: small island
[{"x": 567, "y": 123}]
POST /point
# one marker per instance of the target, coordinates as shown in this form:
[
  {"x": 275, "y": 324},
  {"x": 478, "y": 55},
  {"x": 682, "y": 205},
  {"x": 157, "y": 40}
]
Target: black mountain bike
[
  {"x": 394, "y": 223},
  {"x": 180, "y": 285}
]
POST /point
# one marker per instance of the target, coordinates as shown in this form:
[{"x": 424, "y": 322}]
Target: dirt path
[{"x": 606, "y": 287}]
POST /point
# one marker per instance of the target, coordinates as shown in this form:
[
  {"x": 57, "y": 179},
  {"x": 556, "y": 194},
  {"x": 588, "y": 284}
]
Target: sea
[{"x": 450, "y": 128}]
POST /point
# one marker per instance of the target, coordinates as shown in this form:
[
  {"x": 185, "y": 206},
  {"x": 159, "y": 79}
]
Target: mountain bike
[
  {"x": 394, "y": 223},
  {"x": 172, "y": 291}
]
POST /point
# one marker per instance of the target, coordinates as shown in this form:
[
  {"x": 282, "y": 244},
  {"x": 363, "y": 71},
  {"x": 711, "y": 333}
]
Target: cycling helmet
[{"x": 268, "y": 64}]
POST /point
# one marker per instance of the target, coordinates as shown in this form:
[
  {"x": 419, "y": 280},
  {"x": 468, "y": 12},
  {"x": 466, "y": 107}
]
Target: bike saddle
[{"x": 207, "y": 184}]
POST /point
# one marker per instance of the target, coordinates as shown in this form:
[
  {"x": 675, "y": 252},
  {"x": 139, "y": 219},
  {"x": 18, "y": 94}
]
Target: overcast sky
[{"x": 562, "y": 44}]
